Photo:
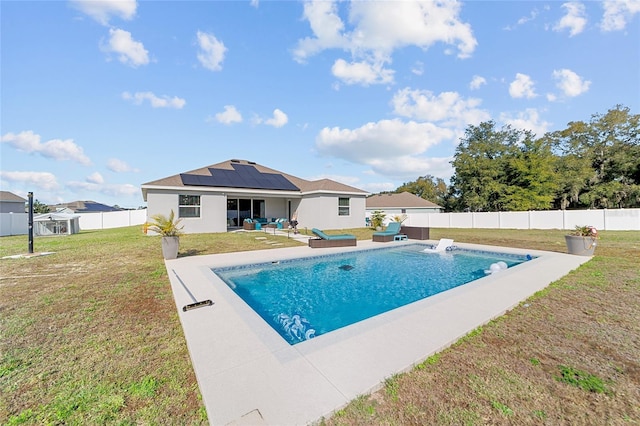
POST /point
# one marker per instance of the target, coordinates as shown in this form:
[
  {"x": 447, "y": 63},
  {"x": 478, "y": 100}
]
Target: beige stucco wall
[
  {"x": 321, "y": 211},
  {"x": 213, "y": 210},
  {"x": 314, "y": 211}
]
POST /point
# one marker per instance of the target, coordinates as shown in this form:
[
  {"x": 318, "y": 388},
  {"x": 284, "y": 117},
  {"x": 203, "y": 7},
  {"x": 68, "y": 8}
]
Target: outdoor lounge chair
[
  {"x": 388, "y": 234},
  {"x": 324, "y": 240},
  {"x": 443, "y": 244}
]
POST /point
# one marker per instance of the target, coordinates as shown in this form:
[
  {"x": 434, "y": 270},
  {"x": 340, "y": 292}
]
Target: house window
[
  {"x": 189, "y": 206},
  {"x": 343, "y": 207}
]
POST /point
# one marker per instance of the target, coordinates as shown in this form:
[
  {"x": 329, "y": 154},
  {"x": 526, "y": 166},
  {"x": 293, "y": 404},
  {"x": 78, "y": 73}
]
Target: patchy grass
[
  {"x": 509, "y": 371},
  {"x": 90, "y": 335}
]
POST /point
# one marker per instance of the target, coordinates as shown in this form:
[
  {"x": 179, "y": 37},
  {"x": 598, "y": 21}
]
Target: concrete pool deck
[{"x": 248, "y": 374}]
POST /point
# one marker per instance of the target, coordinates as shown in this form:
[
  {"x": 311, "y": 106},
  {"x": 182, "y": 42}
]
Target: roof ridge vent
[{"x": 235, "y": 160}]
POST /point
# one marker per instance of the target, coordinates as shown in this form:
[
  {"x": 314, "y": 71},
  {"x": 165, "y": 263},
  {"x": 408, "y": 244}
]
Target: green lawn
[{"x": 90, "y": 335}]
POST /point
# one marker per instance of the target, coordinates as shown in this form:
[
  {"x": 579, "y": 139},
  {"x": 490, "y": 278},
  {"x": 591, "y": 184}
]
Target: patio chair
[
  {"x": 443, "y": 244},
  {"x": 388, "y": 234},
  {"x": 325, "y": 240}
]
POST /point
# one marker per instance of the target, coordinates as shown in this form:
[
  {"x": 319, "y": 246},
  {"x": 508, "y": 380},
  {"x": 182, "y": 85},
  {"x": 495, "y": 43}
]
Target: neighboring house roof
[
  {"x": 11, "y": 197},
  {"x": 402, "y": 200},
  {"x": 46, "y": 217},
  {"x": 248, "y": 175},
  {"x": 84, "y": 207}
]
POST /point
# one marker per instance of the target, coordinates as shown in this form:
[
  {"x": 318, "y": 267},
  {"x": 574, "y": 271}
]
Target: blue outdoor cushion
[
  {"x": 324, "y": 236},
  {"x": 392, "y": 229}
]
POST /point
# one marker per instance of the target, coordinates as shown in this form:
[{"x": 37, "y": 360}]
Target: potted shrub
[
  {"x": 377, "y": 218},
  {"x": 582, "y": 240},
  {"x": 168, "y": 229}
]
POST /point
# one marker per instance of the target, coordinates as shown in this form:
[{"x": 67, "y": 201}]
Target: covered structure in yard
[{"x": 56, "y": 224}]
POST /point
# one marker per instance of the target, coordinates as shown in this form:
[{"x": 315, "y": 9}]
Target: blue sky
[{"x": 98, "y": 97}]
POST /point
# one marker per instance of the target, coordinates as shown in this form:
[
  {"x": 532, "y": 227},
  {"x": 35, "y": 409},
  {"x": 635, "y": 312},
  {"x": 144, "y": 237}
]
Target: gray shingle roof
[
  {"x": 10, "y": 196},
  {"x": 322, "y": 185},
  {"x": 401, "y": 200}
]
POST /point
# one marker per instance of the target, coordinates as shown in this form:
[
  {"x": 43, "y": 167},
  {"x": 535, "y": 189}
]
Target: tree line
[{"x": 594, "y": 164}]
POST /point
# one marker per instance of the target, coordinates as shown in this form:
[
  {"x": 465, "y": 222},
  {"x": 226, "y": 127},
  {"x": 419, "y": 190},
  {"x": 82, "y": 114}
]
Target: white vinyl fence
[
  {"x": 606, "y": 219},
  {"x": 14, "y": 224},
  {"x": 106, "y": 220},
  {"x": 18, "y": 223}
]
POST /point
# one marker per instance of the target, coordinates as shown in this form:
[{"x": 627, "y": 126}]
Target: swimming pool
[{"x": 304, "y": 298}]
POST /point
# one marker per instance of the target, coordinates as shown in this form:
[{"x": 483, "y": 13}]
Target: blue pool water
[{"x": 304, "y": 298}]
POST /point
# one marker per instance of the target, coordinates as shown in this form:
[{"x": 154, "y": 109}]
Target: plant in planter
[
  {"x": 400, "y": 218},
  {"x": 582, "y": 240},
  {"x": 377, "y": 217},
  {"x": 168, "y": 229}
]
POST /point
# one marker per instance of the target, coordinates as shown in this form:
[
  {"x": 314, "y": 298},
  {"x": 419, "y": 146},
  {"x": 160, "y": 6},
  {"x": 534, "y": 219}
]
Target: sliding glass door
[{"x": 239, "y": 209}]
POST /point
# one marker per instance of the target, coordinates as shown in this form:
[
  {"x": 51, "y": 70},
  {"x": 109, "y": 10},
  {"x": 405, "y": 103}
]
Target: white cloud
[
  {"x": 376, "y": 187},
  {"x": 43, "y": 180},
  {"x": 376, "y": 142},
  {"x": 527, "y": 120},
  {"x": 575, "y": 20},
  {"x": 279, "y": 119},
  {"x": 129, "y": 51},
  {"x": 618, "y": 13},
  {"x": 418, "y": 69},
  {"x": 95, "y": 178},
  {"x": 532, "y": 16},
  {"x": 522, "y": 87},
  {"x": 103, "y": 10},
  {"x": 363, "y": 73},
  {"x": 119, "y": 166},
  {"x": 115, "y": 190},
  {"x": 230, "y": 115},
  {"x": 326, "y": 26},
  {"x": 156, "y": 102},
  {"x": 211, "y": 52},
  {"x": 570, "y": 83},
  {"x": 379, "y": 28},
  {"x": 448, "y": 108},
  {"x": 56, "y": 149},
  {"x": 476, "y": 82}
]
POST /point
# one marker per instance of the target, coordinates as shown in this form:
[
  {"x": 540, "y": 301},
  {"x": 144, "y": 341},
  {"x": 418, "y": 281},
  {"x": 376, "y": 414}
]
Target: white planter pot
[
  {"x": 582, "y": 246},
  {"x": 170, "y": 247}
]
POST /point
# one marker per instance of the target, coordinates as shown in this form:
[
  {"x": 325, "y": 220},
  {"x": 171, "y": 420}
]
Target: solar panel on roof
[{"x": 242, "y": 176}]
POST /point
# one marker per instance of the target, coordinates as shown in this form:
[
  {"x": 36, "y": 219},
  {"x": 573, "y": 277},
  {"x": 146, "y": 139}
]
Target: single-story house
[
  {"x": 219, "y": 197},
  {"x": 404, "y": 203},
  {"x": 56, "y": 223},
  {"x": 84, "y": 207},
  {"x": 12, "y": 203}
]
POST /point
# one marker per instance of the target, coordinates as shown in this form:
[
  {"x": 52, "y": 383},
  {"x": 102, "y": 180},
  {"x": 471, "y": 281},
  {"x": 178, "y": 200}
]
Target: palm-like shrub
[{"x": 165, "y": 226}]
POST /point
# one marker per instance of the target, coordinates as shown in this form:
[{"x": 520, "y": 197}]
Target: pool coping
[{"x": 248, "y": 374}]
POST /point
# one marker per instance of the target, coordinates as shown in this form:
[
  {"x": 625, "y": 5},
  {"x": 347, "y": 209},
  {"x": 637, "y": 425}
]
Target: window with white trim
[
  {"x": 343, "y": 206},
  {"x": 189, "y": 206}
]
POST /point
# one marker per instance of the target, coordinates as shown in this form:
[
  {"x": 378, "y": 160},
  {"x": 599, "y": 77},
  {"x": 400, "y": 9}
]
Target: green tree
[
  {"x": 427, "y": 187},
  {"x": 530, "y": 176},
  {"x": 38, "y": 207},
  {"x": 504, "y": 169},
  {"x": 598, "y": 164}
]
